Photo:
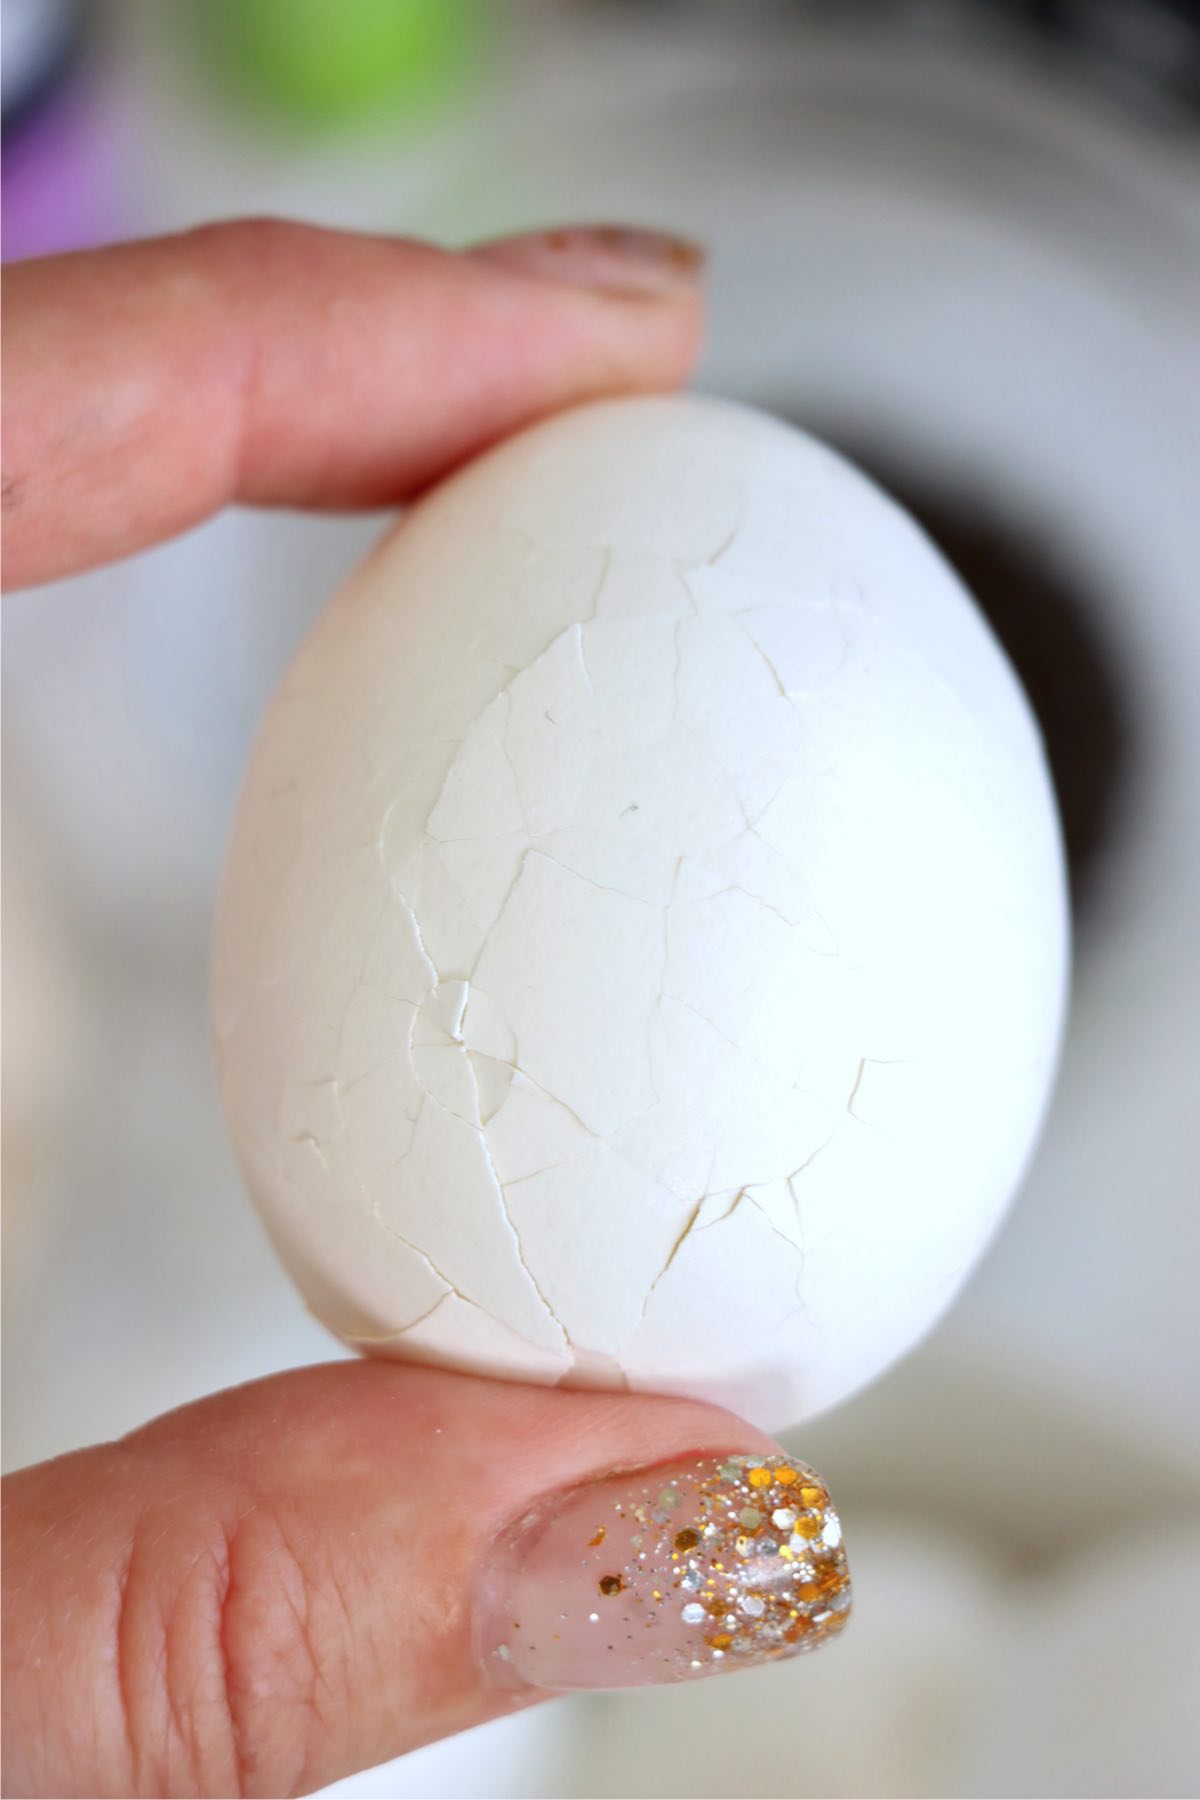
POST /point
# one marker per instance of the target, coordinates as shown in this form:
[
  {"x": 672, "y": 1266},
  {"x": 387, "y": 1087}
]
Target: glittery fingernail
[
  {"x": 609, "y": 259},
  {"x": 666, "y": 1574}
]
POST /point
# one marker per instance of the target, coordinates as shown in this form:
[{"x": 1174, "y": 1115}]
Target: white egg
[{"x": 643, "y": 946}]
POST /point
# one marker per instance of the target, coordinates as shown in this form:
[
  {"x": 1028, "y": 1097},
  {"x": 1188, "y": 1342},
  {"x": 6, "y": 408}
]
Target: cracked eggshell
[{"x": 642, "y": 951}]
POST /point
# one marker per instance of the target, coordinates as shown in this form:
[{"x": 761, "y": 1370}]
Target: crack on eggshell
[
  {"x": 532, "y": 1174},
  {"x": 809, "y": 1160},
  {"x": 735, "y": 531},
  {"x": 511, "y": 1223},
  {"x": 328, "y": 1316},
  {"x": 959, "y": 706},
  {"x": 677, "y": 1246},
  {"x": 735, "y": 1196},
  {"x": 697, "y": 1224},
  {"x": 580, "y": 656},
  {"x": 698, "y": 1013},
  {"x": 569, "y": 638},
  {"x": 511, "y": 669},
  {"x": 596, "y": 1136},
  {"x": 606, "y": 563},
  {"x": 853, "y": 1094},
  {"x": 513, "y": 885},
  {"x": 502, "y": 739},
  {"x": 601, "y": 887},
  {"x": 416, "y": 925},
  {"x": 360, "y": 978},
  {"x": 812, "y": 692},
  {"x": 364, "y": 1339},
  {"x": 485, "y": 1068},
  {"x": 849, "y": 640},
  {"x": 458, "y": 1000},
  {"x": 313, "y": 1141},
  {"x": 390, "y": 1168},
  {"x": 734, "y": 887},
  {"x": 751, "y": 1199},
  {"x": 336, "y": 1092},
  {"x": 772, "y": 671},
  {"x": 865, "y": 1063},
  {"x": 476, "y": 1126},
  {"x": 348, "y": 1087},
  {"x": 682, "y": 572},
  {"x": 555, "y": 1100},
  {"x": 743, "y": 1196},
  {"x": 417, "y": 1251},
  {"x": 750, "y": 822},
  {"x": 692, "y": 1224},
  {"x": 434, "y": 850},
  {"x": 358, "y": 1341},
  {"x": 573, "y": 876},
  {"x": 451, "y": 1290}
]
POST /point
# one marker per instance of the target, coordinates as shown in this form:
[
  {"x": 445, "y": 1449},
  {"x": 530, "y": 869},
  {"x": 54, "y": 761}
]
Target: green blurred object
[{"x": 334, "y": 61}]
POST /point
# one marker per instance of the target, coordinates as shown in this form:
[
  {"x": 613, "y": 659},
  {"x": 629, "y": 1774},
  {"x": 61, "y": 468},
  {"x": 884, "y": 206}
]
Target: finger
[
  {"x": 282, "y": 1584},
  {"x": 147, "y": 385}
]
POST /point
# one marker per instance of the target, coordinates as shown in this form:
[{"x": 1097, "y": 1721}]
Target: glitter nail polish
[
  {"x": 610, "y": 259},
  {"x": 667, "y": 1574}
]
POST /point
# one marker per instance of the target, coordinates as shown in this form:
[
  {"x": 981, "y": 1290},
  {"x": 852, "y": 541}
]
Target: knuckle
[
  {"x": 170, "y": 1702},
  {"x": 282, "y": 1657},
  {"x": 251, "y": 239},
  {"x": 228, "y": 1656}
]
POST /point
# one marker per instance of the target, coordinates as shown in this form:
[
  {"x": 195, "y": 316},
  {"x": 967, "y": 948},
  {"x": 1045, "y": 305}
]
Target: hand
[{"x": 291, "y": 1581}]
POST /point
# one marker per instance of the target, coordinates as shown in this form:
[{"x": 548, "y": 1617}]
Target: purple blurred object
[{"x": 57, "y": 174}]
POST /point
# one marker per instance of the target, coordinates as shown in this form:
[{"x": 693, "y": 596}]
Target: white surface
[
  {"x": 882, "y": 1712},
  {"x": 967, "y": 259},
  {"x": 962, "y": 1674},
  {"x": 532, "y": 1753},
  {"x": 643, "y": 944}
]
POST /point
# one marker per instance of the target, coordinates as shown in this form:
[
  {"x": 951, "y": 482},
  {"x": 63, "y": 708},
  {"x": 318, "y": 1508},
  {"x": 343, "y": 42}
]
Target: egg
[{"x": 642, "y": 950}]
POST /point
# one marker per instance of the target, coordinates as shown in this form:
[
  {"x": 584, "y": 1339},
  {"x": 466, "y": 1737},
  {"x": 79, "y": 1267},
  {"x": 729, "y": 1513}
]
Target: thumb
[
  {"x": 285, "y": 1583},
  {"x": 150, "y": 384}
]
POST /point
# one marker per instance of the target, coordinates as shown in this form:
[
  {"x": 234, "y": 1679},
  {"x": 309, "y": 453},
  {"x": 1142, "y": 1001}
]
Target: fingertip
[{"x": 634, "y": 296}]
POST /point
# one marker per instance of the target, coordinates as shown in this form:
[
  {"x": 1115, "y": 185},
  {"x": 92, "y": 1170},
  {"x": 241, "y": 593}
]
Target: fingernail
[
  {"x": 612, "y": 259},
  {"x": 666, "y": 1574}
]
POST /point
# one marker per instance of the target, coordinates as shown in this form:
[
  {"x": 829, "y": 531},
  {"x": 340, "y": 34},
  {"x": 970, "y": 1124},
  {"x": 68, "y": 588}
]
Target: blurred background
[{"x": 961, "y": 240}]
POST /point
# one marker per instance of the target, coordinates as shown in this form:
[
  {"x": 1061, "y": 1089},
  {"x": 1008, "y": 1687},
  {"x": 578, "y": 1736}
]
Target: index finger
[{"x": 148, "y": 385}]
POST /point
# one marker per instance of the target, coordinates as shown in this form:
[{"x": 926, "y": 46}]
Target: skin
[{"x": 268, "y": 1590}]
